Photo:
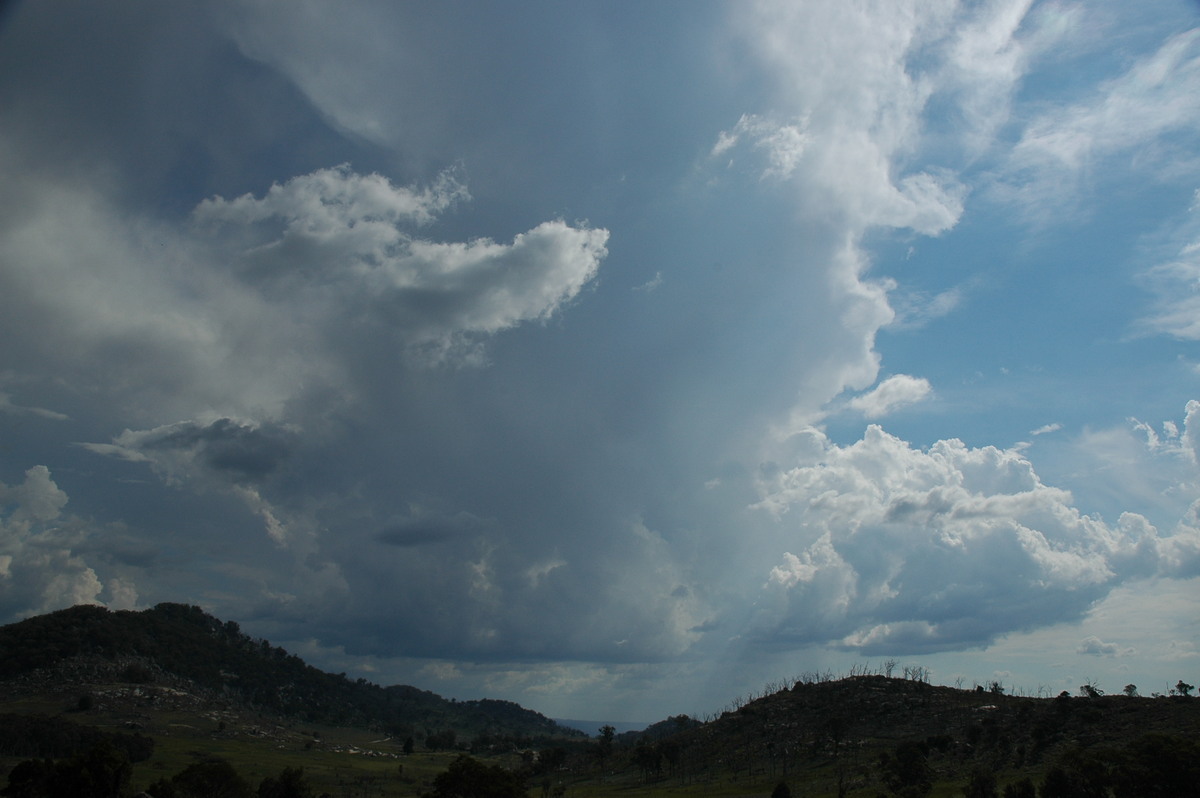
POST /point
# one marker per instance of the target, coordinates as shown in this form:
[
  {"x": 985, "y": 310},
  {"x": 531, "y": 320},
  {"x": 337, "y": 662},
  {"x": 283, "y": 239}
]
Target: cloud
[
  {"x": 650, "y": 285},
  {"x": 894, "y": 392},
  {"x": 343, "y": 243},
  {"x": 1175, "y": 286},
  {"x": 1094, "y": 646},
  {"x": 782, "y": 143},
  {"x": 7, "y": 406},
  {"x": 237, "y": 458},
  {"x": 1159, "y": 95},
  {"x": 981, "y": 60},
  {"x": 40, "y": 567},
  {"x": 266, "y": 303},
  {"x": 915, "y": 309},
  {"x": 424, "y": 527},
  {"x": 1046, "y": 429},
  {"x": 1137, "y": 466},
  {"x": 854, "y": 119},
  {"x": 241, "y": 452},
  {"x": 903, "y": 550},
  {"x": 324, "y": 205},
  {"x": 278, "y": 374}
]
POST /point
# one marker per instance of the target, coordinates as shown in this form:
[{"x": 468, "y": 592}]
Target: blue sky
[{"x": 615, "y": 360}]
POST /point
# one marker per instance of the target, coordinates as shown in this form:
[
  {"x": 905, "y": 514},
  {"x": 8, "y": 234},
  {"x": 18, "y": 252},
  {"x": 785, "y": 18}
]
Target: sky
[{"x": 615, "y": 359}]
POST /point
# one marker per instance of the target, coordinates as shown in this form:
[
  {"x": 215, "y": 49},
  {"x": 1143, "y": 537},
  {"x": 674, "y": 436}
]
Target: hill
[
  {"x": 183, "y": 648},
  {"x": 846, "y": 735},
  {"x": 173, "y": 688}
]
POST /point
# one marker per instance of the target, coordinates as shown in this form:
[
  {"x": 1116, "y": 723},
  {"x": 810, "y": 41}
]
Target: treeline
[
  {"x": 51, "y": 738},
  {"x": 1152, "y": 766},
  {"x": 185, "y": 641},
  {"x": 103, "y": 771}
]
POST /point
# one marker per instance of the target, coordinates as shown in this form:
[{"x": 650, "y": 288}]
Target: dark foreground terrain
[{"x": 177, "y": 703}]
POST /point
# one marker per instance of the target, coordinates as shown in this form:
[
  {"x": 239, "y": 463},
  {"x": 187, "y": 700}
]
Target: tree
[
  {"x": 1183, "y": 688},
  {"x": 102, "y": 771},
  {"x": 33, "y": 778},
  {"x": 982, "y": 784},
  {"x": 648, "y": 759},
  {"x": 441, "y": 740},
  {"x": 1131, "y": 690},
  {"x": 607, "y": 733},
  {"x": 551, "y": 759},
  {"x": 214, "y": 778},
  {"x": 1158, "y": 766},
  {"x": 1077, "y": 774},
  {"x": 290, "y": 784},
  {"x": 1021, "y": 789},
  {"x": 469, "y": 778},
  {"x": 906, "y": 772}
]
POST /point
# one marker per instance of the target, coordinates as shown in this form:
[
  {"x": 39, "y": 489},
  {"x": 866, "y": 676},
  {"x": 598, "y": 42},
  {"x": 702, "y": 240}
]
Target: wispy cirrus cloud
[{"x": 1134, "y": 115}]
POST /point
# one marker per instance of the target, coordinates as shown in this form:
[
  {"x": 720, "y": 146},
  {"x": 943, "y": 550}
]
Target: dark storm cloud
[
  {"x": 246, "y": 452},
  {"x": 430, "y": 528},
  {"x": 241, "y": 452}
]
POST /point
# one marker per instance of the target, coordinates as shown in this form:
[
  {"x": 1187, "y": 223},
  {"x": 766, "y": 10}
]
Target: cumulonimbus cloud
[{"x": 905, "y": 550}]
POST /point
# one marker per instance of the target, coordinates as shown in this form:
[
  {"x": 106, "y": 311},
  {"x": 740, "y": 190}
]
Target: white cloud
[
  {"x": 343, "y": 244},
  {"x": 984, "y": 58},
  {"x": 1176, "y": 287},
  {"x": 1096, "y": 647},
  {"x": 860, "y": 117},
  {"x": 161, "y": 319},
  {"x": 652, "y": 284},
  {"x": 1159, "y": 95},
  {"x": 906, "y": 550},
  {"x": 40, "y": 569},
  {"x": 1134, "y": 467},
  {"x": 120, "y": 308},
  {"x": 783, "y": 143},
  {"x": 846, "y": 134},
  {"x": 326, "y": 204},
  {"x": 1046, "y": 429},
  {"x": 915, "y": 309},
  {"x": 894, "y": 392}
]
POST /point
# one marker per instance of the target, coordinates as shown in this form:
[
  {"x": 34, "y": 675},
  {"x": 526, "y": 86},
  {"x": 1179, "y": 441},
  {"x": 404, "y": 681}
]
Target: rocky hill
[{"x": 188, "y": 656}]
